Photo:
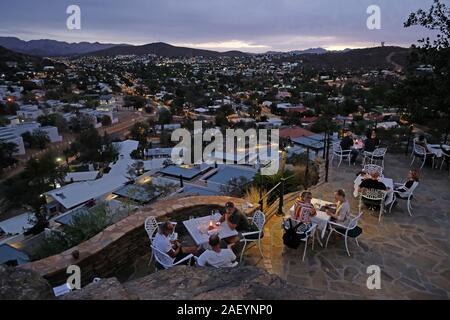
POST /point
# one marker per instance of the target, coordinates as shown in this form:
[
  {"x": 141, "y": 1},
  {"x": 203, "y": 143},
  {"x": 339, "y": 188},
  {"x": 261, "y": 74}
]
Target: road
[{"x": 397, "y": 67}]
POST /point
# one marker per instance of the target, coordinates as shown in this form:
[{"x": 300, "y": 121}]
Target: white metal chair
[
  {"x": 371, "y": 168},
  {"x": 164, "y": 260},
  {"x": 445, "y": 157},
  {"x": 343, "y": 230},
  {"x": 377, "y": 155},
  {"x": 406, "y": 195},
  {"x": 413, "y": 147},
  {"x": 309, "y": 234},
  {"x": 373, "y": 195},
  {"x": 421, "y": 153},
  {"x": 259, "y": 220},
  {"x": 342, "y": 154},
  {"x": 151, "y": 227}
]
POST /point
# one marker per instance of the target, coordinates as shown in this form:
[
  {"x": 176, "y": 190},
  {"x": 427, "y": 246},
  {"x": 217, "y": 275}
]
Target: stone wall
[
  {"x": 196, "y": 283},
  {"x": 119, "y": 245}
]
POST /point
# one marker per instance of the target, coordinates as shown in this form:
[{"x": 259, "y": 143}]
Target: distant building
[
  {"x": 13, "y": 133},
  {"x": 288, "y": 107},
  {"x": 29, "y": 112},
  {"x": 107, "y": 99},
  {"x": 11, "y": 256}
]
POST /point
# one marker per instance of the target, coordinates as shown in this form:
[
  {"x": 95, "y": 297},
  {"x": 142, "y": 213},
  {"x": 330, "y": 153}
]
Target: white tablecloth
[
  {"x": 194, "y": 227},
  {"x": 436, "y": 149},
  {"x": 321, "y": 219},
  {"x": 387, "y": 182}
]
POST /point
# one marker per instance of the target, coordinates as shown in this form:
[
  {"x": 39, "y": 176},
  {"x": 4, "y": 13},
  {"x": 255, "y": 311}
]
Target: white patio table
[
  {"x": 198, "y": 229},
  {"x": 321, "y": 219},
  {"x": 436, "y": 149}
]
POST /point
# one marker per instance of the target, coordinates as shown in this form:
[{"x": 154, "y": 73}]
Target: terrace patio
[{"x": 412, "y": 252}]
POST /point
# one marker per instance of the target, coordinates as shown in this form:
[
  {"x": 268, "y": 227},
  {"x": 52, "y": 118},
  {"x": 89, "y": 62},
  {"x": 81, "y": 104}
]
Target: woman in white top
[{"x": 342, "y": 213}]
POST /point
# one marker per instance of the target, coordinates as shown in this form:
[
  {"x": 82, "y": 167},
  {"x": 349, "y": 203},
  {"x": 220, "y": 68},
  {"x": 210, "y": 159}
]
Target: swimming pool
[
  {"x": 186, "y": 172},
  {"x": 224, "y": 175}
]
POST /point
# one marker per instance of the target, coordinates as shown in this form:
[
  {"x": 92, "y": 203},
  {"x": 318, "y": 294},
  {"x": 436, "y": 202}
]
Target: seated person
[
  {"x": 372, "y": 142},
  {"x": 171, "y": 248},
  {"x": 372, "y": 183},
  {"x": 236, "y": 220},
  {"x": 303, "y": 208},
  {"x": 342, "y": 213},
  {"x": 216, "y": 256},
  {"x": 413, "y": 176},
  {"x": 347, "y": 144},
  {"x": 347, "y": 140},
  {"x": 422, "y": 141}
]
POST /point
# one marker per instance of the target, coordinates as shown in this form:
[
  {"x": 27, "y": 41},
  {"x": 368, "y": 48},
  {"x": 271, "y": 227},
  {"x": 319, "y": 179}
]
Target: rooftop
[{"x": 77, "y": 193}]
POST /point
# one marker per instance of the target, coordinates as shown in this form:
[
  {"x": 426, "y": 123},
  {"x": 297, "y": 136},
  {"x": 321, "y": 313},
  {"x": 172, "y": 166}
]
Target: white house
[
  {"x": 107, "y": 99},
  {"x": 13, "y": 133},
  {"x": 78, "y": 193},
  {"x": 29, "y": 112}
]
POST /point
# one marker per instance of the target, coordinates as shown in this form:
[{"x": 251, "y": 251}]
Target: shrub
[{"x": 84, "y": 225}]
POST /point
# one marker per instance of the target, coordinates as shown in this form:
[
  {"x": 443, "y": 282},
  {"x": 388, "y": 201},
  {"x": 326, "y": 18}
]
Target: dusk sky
[{"x": 247, "y": 25}]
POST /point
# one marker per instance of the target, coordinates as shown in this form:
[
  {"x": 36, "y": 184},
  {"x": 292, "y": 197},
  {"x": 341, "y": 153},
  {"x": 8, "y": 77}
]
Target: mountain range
[
  {"x": 49, "y": 48},
  {"x": 319, "y": 58},
  {"x": 165, "y": 50}
]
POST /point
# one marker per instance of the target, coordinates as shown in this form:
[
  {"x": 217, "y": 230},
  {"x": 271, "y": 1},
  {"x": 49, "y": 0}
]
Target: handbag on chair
[{"x": 291, "y": 238}]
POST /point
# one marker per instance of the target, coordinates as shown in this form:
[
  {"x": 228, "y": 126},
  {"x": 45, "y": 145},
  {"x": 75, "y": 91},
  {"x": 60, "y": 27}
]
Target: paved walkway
[{"x": 412, "y": 252}]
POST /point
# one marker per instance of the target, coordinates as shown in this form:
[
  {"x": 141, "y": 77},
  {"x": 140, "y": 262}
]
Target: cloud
[
  {"x": 224, "y": 45},
  {"x": 250, "y": 25}
]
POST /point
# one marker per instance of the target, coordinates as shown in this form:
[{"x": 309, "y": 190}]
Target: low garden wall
[{"x": 119, "y": 245}]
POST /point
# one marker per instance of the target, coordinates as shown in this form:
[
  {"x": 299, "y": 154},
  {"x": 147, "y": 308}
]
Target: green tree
[
  {"x": 54, "y": 119},
  {"x": 139, "y": 132},
  {"x": 37, "y": 139},
  {"x": 164, "y": 117},
  {"x": 426, "y": 96},
  {"x": 7, "y": 149},
  {"x": 106, "y": 121}
]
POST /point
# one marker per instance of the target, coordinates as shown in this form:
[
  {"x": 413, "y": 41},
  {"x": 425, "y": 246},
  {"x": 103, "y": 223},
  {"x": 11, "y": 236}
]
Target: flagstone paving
[{"x": 412, "y": 252}]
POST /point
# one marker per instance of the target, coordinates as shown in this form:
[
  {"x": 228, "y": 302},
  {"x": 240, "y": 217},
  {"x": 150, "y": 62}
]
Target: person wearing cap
[
  {"x": 172, "y": 248},
  {"x": 236, "y": 220}
]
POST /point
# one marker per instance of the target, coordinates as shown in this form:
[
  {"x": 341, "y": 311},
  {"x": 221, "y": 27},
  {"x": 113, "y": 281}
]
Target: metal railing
[{"x": 280, "y": 187}]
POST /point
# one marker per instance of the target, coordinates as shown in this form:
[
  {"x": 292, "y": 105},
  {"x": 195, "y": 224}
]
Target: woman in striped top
[{"x": 303, "y": 208}]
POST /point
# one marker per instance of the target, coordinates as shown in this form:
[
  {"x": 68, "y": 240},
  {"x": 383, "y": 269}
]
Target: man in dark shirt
[
  {"x": 347, "y": 141},
  {"x": 372, "y": 142},
  {"x": 372, "y": 183},
  {"x": 236, "y": 220}
]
